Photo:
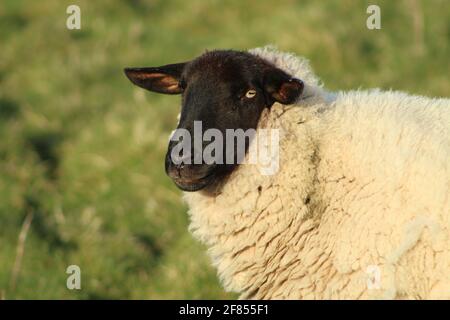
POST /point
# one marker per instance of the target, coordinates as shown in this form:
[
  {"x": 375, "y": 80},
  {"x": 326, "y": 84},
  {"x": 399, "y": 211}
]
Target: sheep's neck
[{"x": 259, "y": 227}]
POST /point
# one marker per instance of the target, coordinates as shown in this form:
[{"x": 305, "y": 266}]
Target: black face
[{"x": 222, "y": 90}]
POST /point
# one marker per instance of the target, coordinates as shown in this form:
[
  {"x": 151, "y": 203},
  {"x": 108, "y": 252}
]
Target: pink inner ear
[
  {"x": 291, "y": 90},
  {"x": 288, "y": 88},
  {"x": 168, "y": 81},
  {"x": 145, "y": 76},
  {"x": 161, "y": 79},
  {"x": 154, "y": 80}
]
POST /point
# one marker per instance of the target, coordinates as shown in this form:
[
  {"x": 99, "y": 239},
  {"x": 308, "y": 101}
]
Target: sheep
[{"x": 360, "y": 205}]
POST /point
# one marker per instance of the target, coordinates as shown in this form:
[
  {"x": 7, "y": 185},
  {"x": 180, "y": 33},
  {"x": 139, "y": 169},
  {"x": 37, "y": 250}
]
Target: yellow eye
[{"x": 250, "y": 94}]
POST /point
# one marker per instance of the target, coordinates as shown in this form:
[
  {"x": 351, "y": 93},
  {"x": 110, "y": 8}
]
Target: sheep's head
[{"x": 221, "y": 91}]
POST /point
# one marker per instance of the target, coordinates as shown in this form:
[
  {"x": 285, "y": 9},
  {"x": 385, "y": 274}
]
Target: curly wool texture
[{"x": 359, "y": 208}]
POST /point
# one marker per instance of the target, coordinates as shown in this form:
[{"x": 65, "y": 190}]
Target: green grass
[{"x": 81, "y": 149}]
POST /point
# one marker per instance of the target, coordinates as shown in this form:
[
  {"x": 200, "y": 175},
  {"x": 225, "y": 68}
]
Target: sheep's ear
[
  {"x": 164, "y": 79},
  {"x": 281, "y": 87}
]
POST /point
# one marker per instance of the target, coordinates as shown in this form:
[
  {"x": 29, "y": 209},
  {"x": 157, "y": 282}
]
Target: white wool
[{"x": 363, "y": 184}]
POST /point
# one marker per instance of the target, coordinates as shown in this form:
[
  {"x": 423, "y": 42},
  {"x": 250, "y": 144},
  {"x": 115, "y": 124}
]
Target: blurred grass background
[{"x": 81, "y": 149}]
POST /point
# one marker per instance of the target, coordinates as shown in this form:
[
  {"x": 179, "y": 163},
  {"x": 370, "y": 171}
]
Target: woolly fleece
[{"x": 362, "y": 192}]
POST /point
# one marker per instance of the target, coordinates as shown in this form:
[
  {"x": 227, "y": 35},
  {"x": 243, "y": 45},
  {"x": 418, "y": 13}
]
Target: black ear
[
  {"x": 281, "y": 87},
  {"x": 164, "y": 79}
]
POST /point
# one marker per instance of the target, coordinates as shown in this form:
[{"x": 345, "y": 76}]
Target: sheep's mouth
[{"x": 191, "y": 185}]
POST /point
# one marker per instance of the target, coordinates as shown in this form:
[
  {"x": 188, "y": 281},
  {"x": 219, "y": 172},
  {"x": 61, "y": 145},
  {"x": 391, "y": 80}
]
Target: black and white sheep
[{"x": 360, "y": 204}]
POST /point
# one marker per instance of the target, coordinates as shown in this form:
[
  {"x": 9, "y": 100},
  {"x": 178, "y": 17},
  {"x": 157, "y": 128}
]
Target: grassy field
[{"x": 81, "y": 150}]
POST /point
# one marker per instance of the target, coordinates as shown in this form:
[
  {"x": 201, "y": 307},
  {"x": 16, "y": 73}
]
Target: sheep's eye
[{"x": 250, "y": 93}]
